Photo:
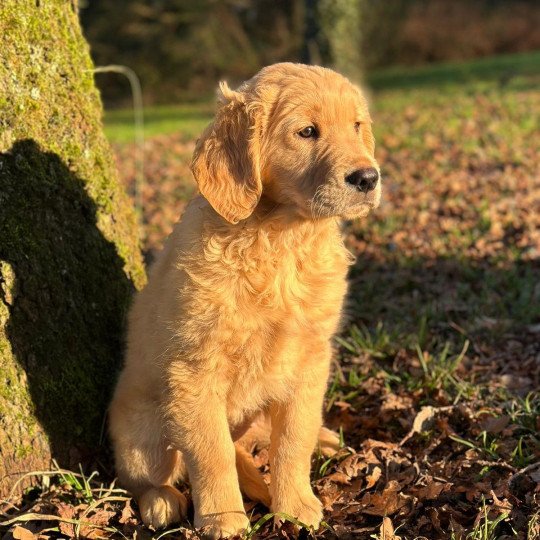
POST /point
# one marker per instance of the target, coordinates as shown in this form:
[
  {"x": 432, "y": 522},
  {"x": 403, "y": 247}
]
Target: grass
[
  {"x": 70, "y": 488},
  {"x": 487, "y": 527},
  {"x": 189, "y": 119},
  {"x": 517, "y": 70}
]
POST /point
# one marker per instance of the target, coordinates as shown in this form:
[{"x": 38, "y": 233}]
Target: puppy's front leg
[
  {"x": 199, "y": 428},
  {"x": 295, "y": 427}
]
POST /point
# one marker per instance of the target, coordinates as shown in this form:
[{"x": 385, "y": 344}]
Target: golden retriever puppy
[{"x": 229, "y": 345}]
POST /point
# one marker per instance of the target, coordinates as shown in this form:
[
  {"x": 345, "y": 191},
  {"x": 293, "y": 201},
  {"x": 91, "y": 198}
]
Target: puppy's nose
[{"x": 363, "y": 180}]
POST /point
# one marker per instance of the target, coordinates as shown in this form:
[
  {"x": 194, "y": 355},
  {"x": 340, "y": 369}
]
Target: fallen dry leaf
[
  {"x": 373, "y": 477},
  {"x": 495, "y": 425},
  {"x": 352, "y": 465},
  {"x": 386, "y": 531},
  {"x": 430, "y": 491},
  {"x": 339, "y": 478},
  {"x": 67, "y": 511},
  {"x": 127, "y": 513},
  {"x": 386, "y": 503},
  {"x": 93, "y": 524},
  {"x": 21, "y": 533}
]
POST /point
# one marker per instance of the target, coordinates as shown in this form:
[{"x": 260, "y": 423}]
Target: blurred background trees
[{"x": 180, "y": 48}]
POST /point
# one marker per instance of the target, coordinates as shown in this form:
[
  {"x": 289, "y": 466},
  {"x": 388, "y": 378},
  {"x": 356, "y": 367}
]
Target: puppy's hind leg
[
  {"x": 329, "y": 442},
  {"x": 250, "y": 479},
  {"x": 145, "y": 465},
  {"x": 257, "y": 436}
]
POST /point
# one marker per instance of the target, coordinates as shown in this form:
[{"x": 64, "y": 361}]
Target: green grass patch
[
  {"x": 517, "y": 70},
  {"x": 188, "y": 119}
]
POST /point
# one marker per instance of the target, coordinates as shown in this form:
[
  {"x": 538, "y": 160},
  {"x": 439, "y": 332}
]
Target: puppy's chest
[
  {"x": 278, "y": 343},
  {"x": 291, "y": 291},
  {"x": 286, "y": 314},
  {"x": 269, "y": 313}
]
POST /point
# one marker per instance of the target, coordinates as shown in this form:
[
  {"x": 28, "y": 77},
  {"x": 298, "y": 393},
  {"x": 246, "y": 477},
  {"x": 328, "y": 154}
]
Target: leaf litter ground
[{"x": 435, "y": 386}]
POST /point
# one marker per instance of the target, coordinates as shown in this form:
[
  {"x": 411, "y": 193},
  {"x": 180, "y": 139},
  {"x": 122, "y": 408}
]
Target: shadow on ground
[{"x": 403, "y": 289}]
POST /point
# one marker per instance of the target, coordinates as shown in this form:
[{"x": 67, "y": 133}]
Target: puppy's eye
[
  {"x": 357, "y": 126},
  {"x": 308, "y": 132}
]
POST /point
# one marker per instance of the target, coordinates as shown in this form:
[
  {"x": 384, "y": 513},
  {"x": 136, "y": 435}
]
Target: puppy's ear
[{"x": 226, "y": 161}]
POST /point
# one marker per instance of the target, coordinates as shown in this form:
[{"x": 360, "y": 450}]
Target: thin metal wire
[{"x": 138, "y": 116}]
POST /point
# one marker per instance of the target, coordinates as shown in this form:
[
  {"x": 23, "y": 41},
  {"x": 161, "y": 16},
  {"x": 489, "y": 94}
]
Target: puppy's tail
[{"x": 249, "y": 477}]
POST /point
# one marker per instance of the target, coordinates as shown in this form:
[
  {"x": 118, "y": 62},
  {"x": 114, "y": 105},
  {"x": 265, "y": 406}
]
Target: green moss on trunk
[{"x": 69, "y": 253}]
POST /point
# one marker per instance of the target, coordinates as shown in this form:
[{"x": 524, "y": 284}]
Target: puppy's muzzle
[{"x": 363, "y": 180}]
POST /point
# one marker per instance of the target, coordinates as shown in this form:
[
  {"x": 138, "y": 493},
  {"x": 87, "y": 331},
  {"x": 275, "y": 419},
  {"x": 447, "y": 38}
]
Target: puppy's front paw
[
  {"x": 222, "y": 525},
  {"x": 305, "y": 507},
  {"x": 162, "y": 506}
]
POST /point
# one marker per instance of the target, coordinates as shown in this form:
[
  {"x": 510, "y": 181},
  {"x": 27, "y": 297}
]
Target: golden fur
[{"x": 229, "y": 345}]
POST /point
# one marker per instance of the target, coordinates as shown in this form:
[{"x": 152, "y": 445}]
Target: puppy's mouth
[
  {"x": 335, "y": 198},
  {"x": 370, "y": 200},
  {"x": 342, "y": 208},
  {"x": 359, "y": 210},
  {"x": 361, "y": 204}
]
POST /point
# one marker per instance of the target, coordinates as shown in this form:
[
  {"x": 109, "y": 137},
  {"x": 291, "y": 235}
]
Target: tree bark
[
  {"x": 332, "y": 35},
  {"x": 69, "y": 252}
]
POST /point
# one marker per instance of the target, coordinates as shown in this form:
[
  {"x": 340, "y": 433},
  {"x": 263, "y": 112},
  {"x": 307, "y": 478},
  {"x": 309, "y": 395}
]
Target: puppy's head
[{"x": 300, "y": 135}]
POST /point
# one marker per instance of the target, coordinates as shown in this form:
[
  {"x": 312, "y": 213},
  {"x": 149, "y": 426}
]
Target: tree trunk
[
  {"x": 69, "y": 253},
  {"x": 333, "y": 35}
]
